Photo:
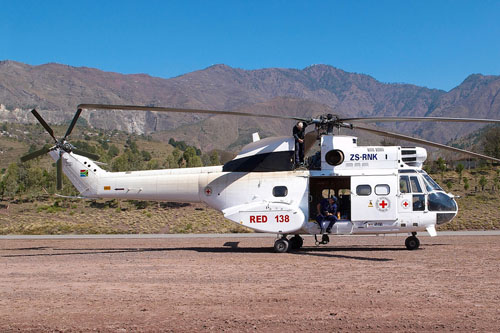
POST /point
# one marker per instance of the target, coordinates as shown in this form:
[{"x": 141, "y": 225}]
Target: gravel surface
[{"x": 452, "y": 283}]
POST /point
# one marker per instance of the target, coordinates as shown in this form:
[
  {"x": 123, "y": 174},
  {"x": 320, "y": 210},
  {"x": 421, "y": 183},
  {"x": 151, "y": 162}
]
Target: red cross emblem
[
  {"x": 208, "y": 191},
  {"x": 405, "y": 204},
  {"x": 383, "y": 204}
]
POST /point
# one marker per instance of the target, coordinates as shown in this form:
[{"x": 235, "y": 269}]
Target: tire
[
  {"x": 281, "y": 245},
  {"x": 412, "y": 243},
  {"x": 296, "y": 242}
]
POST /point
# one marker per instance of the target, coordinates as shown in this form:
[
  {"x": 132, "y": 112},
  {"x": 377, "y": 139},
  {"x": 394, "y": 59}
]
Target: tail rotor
[{"x": 61, "y": 145}]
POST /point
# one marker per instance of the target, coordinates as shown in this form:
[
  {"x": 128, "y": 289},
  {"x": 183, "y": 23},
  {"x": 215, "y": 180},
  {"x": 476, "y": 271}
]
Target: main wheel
[
  {"x": 296, "y": 242},
  {"x": 281, "y": 245},
  {"x": 412, "y": 243}
]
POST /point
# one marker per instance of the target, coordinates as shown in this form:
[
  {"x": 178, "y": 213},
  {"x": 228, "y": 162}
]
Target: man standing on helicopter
[{"x": 298, "y": 134}]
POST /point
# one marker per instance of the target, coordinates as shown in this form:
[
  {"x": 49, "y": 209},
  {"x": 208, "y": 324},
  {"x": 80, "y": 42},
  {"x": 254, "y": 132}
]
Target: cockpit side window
[
  {"x": 430, "y": 184},
  {"x": 404, "y": 184},
  {"x": 415, "y": 185}
]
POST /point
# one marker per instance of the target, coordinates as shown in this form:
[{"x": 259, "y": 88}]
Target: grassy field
[{"x": 70, "y": 216}]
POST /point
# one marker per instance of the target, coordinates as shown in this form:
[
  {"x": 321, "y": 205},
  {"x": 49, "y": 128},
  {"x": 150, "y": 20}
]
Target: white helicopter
[{"x": 380, "y": 189}]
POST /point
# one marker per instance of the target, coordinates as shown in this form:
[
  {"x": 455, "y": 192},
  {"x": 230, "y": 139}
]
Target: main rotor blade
[
  {"x": 44, "y": 124},
  {"x": 73, "y": 123},
  {"x": 438, "y": 119},
  {"x": 59, "y": 172},
  {"x": 86, "y": 154},
  {"x": 35, "y": 154},
  {"x": 425, "y": 142},
  {"x": 165, "y": 109}
]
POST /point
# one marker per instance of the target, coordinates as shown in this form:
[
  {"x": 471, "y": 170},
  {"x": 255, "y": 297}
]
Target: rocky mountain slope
[{"x": 314, "y": 90}]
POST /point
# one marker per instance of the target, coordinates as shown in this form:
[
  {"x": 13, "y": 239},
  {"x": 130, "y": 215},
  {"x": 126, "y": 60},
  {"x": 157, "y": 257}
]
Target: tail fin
[{"x": 81, "y": 171}]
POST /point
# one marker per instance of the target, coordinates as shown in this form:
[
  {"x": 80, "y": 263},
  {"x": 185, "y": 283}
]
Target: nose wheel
[{"x": 412, "y": 243}]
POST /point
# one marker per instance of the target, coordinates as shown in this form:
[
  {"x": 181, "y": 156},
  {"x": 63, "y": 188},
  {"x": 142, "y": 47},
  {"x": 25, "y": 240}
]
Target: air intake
[{"x": 413, "y": 156}]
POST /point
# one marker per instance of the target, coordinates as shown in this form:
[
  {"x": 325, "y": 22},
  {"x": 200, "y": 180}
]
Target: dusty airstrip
[{"x": 238, "y": 284}]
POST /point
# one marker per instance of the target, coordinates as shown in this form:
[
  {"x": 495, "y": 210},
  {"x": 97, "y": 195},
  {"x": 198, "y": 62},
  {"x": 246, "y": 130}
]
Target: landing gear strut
[{"x": 412, "y": 242}]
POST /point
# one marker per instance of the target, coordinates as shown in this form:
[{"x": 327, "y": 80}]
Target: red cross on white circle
[{"x": 383, "y": 204}]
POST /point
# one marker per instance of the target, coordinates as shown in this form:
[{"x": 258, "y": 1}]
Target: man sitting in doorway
[{"x": 327, "y": 211}]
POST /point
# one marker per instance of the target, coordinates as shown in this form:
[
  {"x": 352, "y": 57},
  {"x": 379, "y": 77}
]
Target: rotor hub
[{"x": 65, "y": 146}]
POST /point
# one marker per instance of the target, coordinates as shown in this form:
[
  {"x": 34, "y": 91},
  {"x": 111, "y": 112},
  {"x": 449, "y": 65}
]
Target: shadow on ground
[{"x": 229, "y": 247}]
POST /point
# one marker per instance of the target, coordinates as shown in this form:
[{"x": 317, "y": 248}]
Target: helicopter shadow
[{"x": 228, "y": 247}]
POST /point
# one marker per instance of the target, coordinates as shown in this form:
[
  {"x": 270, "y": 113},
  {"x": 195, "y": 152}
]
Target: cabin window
[
  {"x": 404, "y": 184},
  {"x": 431, "y": 184},
  {"x": 418, "y": 202},
  {"x": 363, "y": 190},
  {"x": 415, "y": 185},
  {"x": 280, "y": 191},
  {"x": 382, "y": 189}
]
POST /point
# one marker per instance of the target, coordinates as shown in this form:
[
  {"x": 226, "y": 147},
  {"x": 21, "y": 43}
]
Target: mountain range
[{"x": 55, "y": 90}]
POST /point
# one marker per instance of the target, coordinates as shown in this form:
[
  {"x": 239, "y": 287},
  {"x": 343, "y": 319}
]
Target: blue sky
[{"x": 436, "y": 44}]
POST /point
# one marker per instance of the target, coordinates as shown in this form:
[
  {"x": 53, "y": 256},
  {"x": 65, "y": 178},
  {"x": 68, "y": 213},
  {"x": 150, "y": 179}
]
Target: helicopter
[{"x": 379, "y": 189}]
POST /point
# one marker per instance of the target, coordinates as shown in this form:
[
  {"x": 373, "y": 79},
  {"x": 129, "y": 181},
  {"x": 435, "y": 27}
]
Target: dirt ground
[{"x": 452, "y": 283}]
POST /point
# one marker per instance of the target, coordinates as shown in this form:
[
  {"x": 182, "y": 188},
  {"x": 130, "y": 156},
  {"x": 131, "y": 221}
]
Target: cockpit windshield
[{"x": 430, "y": 184}]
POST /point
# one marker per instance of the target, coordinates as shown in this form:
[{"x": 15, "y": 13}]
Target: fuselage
[{"x": 378, "y": 190}]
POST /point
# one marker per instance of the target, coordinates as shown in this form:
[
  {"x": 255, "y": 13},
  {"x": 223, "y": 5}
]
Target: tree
[
  {"x": 466, "y": 183},
  {"x": 132, "y": 145},
  {"x": 153, "y": 165},
  {"x": 441, "y": 166},
  {"x": 178, "y": 144},
  {"x": 459, "y": 169},
  {"x": 482, "y": 182},
  {"x": 113, "y": 151},
  {"x": 129, "y": 160},
  {"x": 194, "y": 162},
  {"x": 171, "y": 162},
  {"x": 214, "y": 158},
  {"x": 177, "y": 155},
  {"x": 205, "y": 160},
  {"x": 496, "y": 183},
  {"x": 491, "y": 142},
  {"x": 189, "y": 153},
  {"x": 10, "y": 181},
  {"x": 146, "y": 155}
]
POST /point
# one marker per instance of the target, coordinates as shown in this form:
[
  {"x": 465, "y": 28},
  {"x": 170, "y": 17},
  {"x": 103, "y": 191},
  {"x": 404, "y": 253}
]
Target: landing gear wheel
[
  {"x": 281, "y": 245},
  {"x": 296, "y": 242},
  {"x": 412, "y": 243}
]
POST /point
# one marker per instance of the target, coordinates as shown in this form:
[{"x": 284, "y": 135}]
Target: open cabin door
[
  {"x": 323, "y": 187},
  {"x": 374, "y": 198}
]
